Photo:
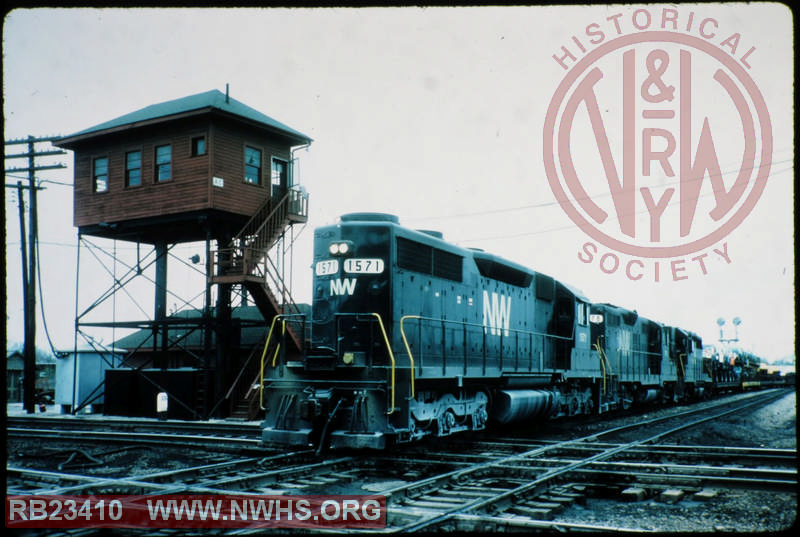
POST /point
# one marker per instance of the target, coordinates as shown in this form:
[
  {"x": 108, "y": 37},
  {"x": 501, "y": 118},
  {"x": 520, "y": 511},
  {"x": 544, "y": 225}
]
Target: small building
[
  {"x": 15, "y": 367},
  {"x": 80, "y": 378}
]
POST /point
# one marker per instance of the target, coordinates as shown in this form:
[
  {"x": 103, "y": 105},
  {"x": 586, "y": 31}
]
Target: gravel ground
[
  {"x": 773, "y": 426},
  {"x": 730, "y": 510},
  {"x": 111, "y": 461}
]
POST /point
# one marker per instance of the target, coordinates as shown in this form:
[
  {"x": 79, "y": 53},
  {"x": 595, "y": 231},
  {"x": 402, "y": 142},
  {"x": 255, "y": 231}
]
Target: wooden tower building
[{"x": 200, "y": 168}]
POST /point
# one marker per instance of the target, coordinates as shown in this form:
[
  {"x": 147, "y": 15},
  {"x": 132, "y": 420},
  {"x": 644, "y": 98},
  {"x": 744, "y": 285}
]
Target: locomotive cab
[
  {"x": 344, "y": 390},
  {"x": 351, "y": 281}
]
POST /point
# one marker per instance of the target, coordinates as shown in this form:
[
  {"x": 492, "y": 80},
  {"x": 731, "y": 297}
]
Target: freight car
[{"x": 413, "y": 336}]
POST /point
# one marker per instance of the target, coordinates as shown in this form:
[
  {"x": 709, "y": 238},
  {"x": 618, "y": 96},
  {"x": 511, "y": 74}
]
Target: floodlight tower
[{"x": 736, "y": 322}]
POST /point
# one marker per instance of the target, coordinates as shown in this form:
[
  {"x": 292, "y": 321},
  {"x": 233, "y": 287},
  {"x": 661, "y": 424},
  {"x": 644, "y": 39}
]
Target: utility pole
[
  {"x": 29, "y": 271},
  {"x": 25, "y": 281}
]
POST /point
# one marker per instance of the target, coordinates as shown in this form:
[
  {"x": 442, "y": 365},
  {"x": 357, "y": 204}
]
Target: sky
[{"x": 435, "y": 115}]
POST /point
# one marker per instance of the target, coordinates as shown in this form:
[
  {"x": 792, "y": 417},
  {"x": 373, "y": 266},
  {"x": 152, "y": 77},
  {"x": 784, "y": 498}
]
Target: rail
[
  {"x": 408, "y": 349},
  {"x": 392, "y": 377},
  {"x": 603, "y": 360},
  {"x": 246, "y": 255},
  {"x": 263, "y": 355},
  {"x": 464, "y": 326},
  {"x": 293, "y": 204},
  {"x": 680, "y": 363},
  {"x": 248, "y": 262},
  {"x": 625, "y": 354},
  {"x": 237, "y": 390},
  {"x": 275, "y": 282},
  {"x": 283, "y": 318},
  {"x": 391, "y": 357},
  {"x": 498, "y": 499},
  {"x": 386, "y": 342}
]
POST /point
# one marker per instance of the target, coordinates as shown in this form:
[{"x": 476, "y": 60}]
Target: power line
[
  {"x": 41, "y": 308},
  {"x": 614, "y": 216},
  {"x": 555, "y": 202},
  {"x": 570, "y": 226}
]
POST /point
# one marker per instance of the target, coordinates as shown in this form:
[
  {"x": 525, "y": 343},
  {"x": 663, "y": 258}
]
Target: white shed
[{"x": 80, "y": 378}]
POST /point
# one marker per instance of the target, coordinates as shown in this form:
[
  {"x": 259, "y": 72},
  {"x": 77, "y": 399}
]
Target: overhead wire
[
  {"x": 555, "y": 202},
  {"x": 572, "y": 226},
  {"x": 56, "y": 353}
]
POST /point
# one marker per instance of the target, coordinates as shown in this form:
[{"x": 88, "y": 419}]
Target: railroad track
[
  {"x": 193, "y": 479},
  {"x": 480, "y": 485},
  {"x": 217, "y": 435},
  {"x": 163, "y": 438},
  {"x": 221, "y": 428},
  {"x": 518, "y": 491}
]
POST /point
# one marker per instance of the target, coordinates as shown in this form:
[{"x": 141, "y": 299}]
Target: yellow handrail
[
  {"x": 283, "y": 332},
  {"x": 602, "y": 364},
  {"x": 277, "y": 349},
  {"x": 408, "y": 347},
  {"x": 263, "y": 355},
  {"x": 608, "y": 362},
  {"x": 391, "y": 356}
]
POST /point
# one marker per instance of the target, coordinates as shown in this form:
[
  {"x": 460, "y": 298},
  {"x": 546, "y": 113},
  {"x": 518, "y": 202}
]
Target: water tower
[{"x": 203, "y": 168}]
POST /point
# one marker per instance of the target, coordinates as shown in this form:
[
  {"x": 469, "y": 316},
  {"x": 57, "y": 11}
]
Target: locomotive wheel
[
  {"x": 588, "y": 402},
  {"x": 449, "y": 420},
  {"x": 626, "y": 399}
]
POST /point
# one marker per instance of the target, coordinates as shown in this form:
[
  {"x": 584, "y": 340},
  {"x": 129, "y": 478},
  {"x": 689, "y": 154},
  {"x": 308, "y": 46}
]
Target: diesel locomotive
[{"x": 412, "y": 336}]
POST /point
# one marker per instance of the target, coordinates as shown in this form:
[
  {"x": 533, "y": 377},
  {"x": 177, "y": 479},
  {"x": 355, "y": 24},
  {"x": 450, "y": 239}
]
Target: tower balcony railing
[{"x": 249, "y": 247}]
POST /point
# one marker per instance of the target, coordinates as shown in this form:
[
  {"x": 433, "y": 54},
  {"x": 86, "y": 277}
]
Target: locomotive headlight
[{"x": 340, "y": 248}]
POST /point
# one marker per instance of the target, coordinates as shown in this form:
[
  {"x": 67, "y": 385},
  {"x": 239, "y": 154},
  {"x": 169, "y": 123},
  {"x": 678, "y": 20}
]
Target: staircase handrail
[
  {"x": 273, "y": 276},
  {"x": 258, "y": 221},
  {"x": 235, "y": 384}
]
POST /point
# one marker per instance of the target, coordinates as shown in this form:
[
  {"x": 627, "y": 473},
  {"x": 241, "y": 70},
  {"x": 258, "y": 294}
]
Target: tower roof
[{"x": 201, "y": 103}]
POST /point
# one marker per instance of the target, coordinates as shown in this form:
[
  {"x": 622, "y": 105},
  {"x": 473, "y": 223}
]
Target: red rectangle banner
[{"x": 195, "y": 511}]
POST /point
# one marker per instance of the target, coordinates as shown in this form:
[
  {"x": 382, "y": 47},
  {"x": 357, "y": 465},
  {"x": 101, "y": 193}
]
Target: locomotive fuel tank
[{"x": 519, "y": 405}]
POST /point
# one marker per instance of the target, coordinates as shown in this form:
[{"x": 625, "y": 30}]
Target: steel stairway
[{"x": 246, "y": 261}]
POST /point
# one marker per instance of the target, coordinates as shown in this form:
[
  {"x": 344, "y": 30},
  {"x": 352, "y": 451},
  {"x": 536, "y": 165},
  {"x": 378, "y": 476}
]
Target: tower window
[
  {"x": 133, "y": 168},
  {"x": 252, "y": 165},
  {"x": 163, "y": 163},
  {"x": 100, "y": 174},
  {"x": 198, "y": 146}
]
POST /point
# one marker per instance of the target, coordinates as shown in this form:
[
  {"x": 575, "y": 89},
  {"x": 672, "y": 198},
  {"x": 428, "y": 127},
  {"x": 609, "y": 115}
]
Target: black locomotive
[{"x": 413, "y": 336}]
